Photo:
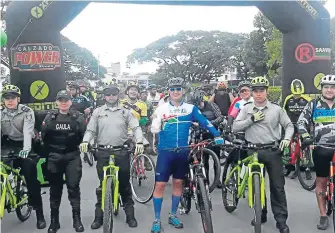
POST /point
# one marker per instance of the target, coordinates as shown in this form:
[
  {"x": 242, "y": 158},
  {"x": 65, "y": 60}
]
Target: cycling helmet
[
  {"x": 73, "y": 85},
  {"x": 297, "y": 87},
  {"x": 11, "y": 89},
  {"x": 172, "y": 82},
  {"x": 222, "y": 85},
  {"x": 132, "y": 84},
  {"x": 197, "y": 97},
  {"x": 260, "y": 82},
  {"x": 328, "y": 79},
  {"x": 152, "y": 86},
  {"x": 244, "y": 83}
]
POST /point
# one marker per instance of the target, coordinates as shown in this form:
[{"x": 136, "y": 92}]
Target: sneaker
[
  {"x": 174, "y": 221},
  {"x": 323, "y": 223},
  {"x": 156, "y": 226}
]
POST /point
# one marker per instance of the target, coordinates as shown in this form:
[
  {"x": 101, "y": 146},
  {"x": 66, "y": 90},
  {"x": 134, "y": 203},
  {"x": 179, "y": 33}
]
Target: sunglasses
[
  {"x": 173, "y": 89},
  {"x": 113, "y": 94}
]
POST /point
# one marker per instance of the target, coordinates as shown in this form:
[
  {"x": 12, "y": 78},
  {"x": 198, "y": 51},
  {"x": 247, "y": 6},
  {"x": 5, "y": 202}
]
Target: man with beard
[{"x": 153, "y": 97}]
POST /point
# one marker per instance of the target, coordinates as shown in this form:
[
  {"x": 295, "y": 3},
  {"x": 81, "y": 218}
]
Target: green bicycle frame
[
  {"x": 114, "y": 174},
  {"x": 7, "y": 190},
  {"x": 254, "y": 167}
]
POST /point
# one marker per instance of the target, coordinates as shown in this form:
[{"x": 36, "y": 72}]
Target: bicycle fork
[{"x": 250, "y": 185}]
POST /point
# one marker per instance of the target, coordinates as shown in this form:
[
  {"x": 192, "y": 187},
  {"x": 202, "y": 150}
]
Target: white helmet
[{"x": 328, "y": 79}]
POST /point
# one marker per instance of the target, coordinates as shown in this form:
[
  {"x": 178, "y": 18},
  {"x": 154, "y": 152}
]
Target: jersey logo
[
  {"x": 63, "y": 127},
  {"x": 134, "y": 107}
]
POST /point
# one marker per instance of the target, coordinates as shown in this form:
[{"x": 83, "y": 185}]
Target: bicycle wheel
[
  {"x": 216, "y": 161},
  {"x": 204, "y": 206},
  {"x": 186, "y": 196},
  {"x": 257, "y": 202},
  {"x": 88, "y": 157},
  {"x": 304, "y": 171},
  {"x": 230, "y": 187},
  {"x": 21, "y": 193},
  {"x": 108, "y": 207},
  {"x": 140, "y": 169}
]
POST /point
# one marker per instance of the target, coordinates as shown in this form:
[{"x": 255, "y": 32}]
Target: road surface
[{"x": 303, "y": 213}]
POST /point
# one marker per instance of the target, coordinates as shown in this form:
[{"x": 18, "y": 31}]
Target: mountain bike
[
  {"x": 14, "y": 191},
  {"x": 330, "y": 192},
  {"x": 111, "y": 200},
  {"x": 196, "y": 185},
  {"x": 238, "y": 174},
  {"x": 140, "y": 166},
  {"x": 302, "y": 160}
]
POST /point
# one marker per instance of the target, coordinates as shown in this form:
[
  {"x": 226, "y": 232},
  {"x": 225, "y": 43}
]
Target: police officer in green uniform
[
  {"x": 261, "y": 122},
  {"x": 62, "y": 132},
  {"x": 109, "y": 124},
  {"x": 17, "y": 130}
]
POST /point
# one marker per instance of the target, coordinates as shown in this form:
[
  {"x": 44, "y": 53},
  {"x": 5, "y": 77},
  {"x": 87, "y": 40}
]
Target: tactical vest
[
  {"x": 63, "y": 133},
  {"x": 208, "y": 112}
]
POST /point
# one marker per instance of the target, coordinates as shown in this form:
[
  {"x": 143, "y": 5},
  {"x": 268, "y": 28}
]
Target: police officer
[
  {"x": 110, "y": 123},
  {"x": 261, "y": 122},
  {"x": 17, "y": 129},
  {"x": 62, "y": 131}
]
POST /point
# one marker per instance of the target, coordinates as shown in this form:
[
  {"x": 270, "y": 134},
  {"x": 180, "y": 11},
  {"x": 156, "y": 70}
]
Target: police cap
[{"x": 63, "y": 94}]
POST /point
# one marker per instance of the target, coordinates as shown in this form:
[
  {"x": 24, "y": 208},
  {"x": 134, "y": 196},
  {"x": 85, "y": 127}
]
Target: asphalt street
[{"x": 303, "y": 213}]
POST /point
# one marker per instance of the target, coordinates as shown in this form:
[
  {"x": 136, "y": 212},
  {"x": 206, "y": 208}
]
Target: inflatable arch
[{"x": 35, "y": 48}]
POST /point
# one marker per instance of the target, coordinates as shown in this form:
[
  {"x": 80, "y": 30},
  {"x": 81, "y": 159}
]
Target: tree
[
  {"x": 254, "y": 53},
  {"x": 274, "y": 52},
  {"x": 193, "y": 55},
  {"x": 79, "y": 62}
]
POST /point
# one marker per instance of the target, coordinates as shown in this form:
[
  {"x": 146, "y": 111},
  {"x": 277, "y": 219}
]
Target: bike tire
[
  {"x": 256, "y": 181},
  {"x": 216, "y": 161},
  {"x": 20, "y": 192},
  {"x": 186, "y": 197},
  {"x": 229, "y": 208},
  {"x": 89, "y": 158},
  {"x": 204, "y": 206},
  {"x": 108, "y": 207},
  {"x": 301, "y": 179},
  {"x": 143, "y": 157}
]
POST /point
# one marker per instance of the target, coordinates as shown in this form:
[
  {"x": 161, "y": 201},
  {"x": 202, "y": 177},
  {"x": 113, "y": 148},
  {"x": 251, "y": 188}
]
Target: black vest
[{"x": 62, "y": 132}]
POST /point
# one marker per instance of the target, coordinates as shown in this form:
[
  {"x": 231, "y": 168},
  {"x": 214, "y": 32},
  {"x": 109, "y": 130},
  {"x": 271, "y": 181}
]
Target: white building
[{"x": 230, "y": 74}]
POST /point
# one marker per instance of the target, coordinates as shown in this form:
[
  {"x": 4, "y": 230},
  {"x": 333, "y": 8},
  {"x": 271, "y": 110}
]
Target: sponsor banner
[
  {"x": 36, "y": 57},
  {"x": 306, "y": 53},
  {"x": 42, "y": 106}
]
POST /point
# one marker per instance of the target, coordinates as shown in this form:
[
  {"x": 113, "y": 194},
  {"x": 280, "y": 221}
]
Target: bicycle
[
  {"x": 247, "y": 172},
  {"x": 303, "y": 161},
  {"x": 140, "y": 165},
  {"x": 196, "y": 185},
  {"x": 14, "y": 191},
  {"x": 330, "y": 192},
  {"x": 111, "y": 200}
]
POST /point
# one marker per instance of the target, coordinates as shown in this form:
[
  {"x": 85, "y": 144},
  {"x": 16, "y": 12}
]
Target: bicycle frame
[
  {"x": 114, "y": 174},
  {"x": 7, "y": 190},
  {"x": 254, "y": 167}
]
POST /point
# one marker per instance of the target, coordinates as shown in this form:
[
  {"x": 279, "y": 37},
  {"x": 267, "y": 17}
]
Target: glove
[
  {"x": 218, "y": 140},
  {"x": 139, "y": 148},
  {"x": 24, "y": 154},
  {"x": 83, "y": 147},
  {"x": 284, "y": 144},
  {"x": 258, "y": 116},
  {"x": 305, "y": 135}
]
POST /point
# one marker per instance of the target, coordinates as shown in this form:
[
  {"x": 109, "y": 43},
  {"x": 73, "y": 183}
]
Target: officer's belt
[
  {"x": 265, "y": 144},
  {"x": 61, "y": 150},
  {"x": 111, "y": 147}
]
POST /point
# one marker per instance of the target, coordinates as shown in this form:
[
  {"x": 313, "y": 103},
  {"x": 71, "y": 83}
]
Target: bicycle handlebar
[{"x": 202, "y": 143}]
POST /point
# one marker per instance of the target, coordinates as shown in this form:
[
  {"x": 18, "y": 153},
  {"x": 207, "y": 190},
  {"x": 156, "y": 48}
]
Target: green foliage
[
  {"x": 79, "y": 62},
  {"x": 275, "y": 94},
  {"x": 274, "y": 52},
  {"x": 192, "y": 55}
]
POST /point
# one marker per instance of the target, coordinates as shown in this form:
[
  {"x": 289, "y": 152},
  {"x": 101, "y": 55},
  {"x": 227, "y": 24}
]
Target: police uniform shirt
[
  {"x": 267, "y": 130},
  {"x": 18, "y": 125},
  {"x": 110, "y": 125}
]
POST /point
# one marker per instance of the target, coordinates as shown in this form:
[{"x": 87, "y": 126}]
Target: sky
[{"x": 112, "y": 31}]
